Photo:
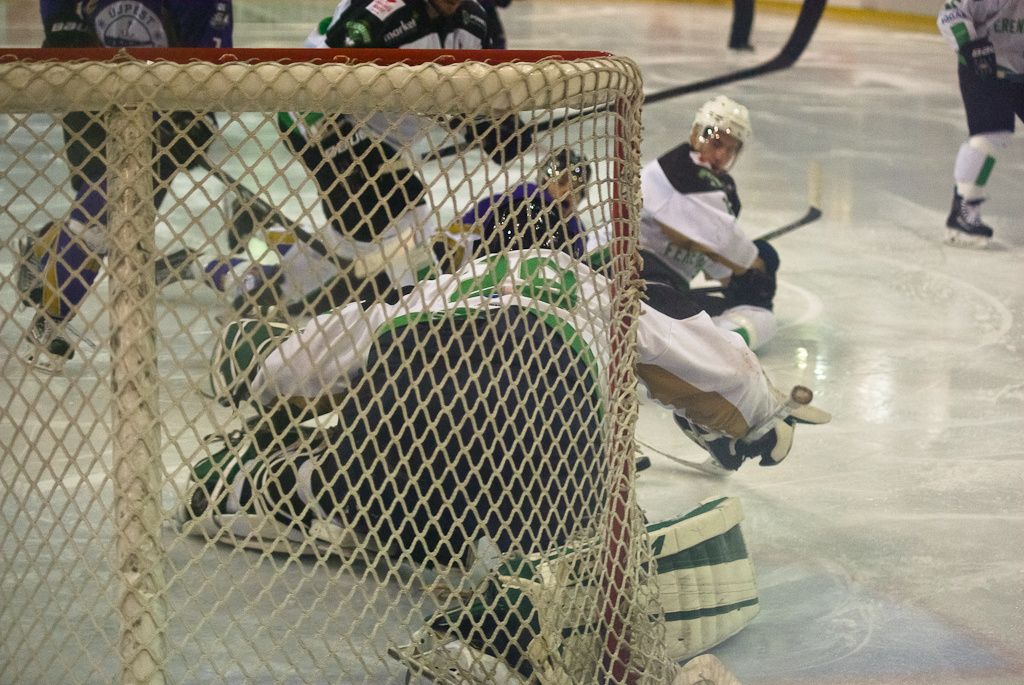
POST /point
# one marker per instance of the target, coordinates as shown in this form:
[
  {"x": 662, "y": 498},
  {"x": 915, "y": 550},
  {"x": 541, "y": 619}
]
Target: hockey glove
[
  {"x": 980, "y": 57},
  {"x": 68, "y": 30},
  {"x": 755, "y": 287},
  {"x": 502, "y": 140},
  {"x": 772, "y": 447}
]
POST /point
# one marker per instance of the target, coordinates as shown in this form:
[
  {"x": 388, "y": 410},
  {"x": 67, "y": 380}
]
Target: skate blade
[
  {"x": 955, "y": 238},
  {"x": 43, "y": 361}
]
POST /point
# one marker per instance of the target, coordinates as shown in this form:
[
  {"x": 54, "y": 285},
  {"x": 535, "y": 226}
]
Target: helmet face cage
[
  {"x": 721, "y": 115},
  {"x": 562, "y": 161}
]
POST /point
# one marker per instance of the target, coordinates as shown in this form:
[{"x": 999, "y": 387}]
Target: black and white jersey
[
  {"x": 401, "y": 24},
  {"x": 684, "y": 197}
]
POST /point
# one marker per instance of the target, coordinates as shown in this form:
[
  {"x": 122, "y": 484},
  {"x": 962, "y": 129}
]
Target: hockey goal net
[{"x": 112, "y": 568}]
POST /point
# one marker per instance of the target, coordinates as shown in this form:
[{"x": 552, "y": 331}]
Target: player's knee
[{"x": 992, "y": 143}]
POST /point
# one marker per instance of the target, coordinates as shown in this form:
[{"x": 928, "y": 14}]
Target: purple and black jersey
[{"x": 146, "y": 23}]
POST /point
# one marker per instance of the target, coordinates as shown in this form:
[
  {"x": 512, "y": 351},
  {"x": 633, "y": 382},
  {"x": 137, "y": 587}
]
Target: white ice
[{"x": 889, "y": 546}]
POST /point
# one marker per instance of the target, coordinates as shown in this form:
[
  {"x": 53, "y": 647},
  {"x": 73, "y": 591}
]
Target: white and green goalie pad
[
  {"x": 534, "y": 618},
  {"x": 706, "y": 582}
]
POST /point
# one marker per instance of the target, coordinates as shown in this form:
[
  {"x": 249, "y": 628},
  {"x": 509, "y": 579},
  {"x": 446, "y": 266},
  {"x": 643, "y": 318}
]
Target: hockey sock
[
  {"x": 70, "y": 267},
  {"x": 974, "y": 163}
]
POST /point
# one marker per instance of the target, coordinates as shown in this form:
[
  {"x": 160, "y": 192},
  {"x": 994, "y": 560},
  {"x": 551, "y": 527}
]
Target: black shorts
[
  {"x": 464, "y": 427},
  {"x": 358, "y": 198},
  {"x": 990, "y": 103}
]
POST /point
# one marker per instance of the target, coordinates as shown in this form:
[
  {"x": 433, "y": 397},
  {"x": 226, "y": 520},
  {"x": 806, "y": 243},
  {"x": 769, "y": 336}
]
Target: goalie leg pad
[
  {"x": 249, "y": 494},
  {"x": 705, "y": 578}
]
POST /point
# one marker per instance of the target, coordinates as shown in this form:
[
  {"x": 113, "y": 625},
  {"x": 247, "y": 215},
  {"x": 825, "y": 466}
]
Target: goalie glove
[
  {"x": 772, "y": 447},
  {"x": 980, "y": 57}
]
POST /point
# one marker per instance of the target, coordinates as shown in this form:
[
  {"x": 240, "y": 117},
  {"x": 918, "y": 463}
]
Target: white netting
[{"x": 462, "y": 510}]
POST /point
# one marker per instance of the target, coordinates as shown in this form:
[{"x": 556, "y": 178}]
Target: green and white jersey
[
  {"x": 704, "y": 373},
  {"x": 1001, "y": 21}
]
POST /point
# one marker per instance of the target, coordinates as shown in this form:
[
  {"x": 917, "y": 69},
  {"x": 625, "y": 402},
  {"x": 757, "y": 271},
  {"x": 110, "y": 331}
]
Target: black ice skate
[
  {"x": 50, "y": 347},
  {"x": 964, "y": 227}
]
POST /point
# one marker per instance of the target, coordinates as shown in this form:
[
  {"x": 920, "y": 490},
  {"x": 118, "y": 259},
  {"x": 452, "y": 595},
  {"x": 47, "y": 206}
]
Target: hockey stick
[
  {"x": 708, "y": 467},
  {"x": 813, "y": 212},
  {"x": 799, "y": 396},
  {"x": 812, "y": 215},
  {"x": 803, "y": 31},
  {"x": 806, "y": 23}
]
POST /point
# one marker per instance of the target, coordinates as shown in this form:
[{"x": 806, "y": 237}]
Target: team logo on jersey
[
  {"x": 130, "y": 24},
  {"x": 382, "y": 8}
]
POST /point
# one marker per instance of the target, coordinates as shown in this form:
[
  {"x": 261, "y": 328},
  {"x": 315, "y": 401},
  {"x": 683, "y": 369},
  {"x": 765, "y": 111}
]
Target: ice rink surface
[{"x": 889, "y": 546}]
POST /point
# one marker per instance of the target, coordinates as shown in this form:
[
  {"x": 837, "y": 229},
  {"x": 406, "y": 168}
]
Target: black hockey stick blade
[
  {"x": 803, "y": 31},
  {"x": 812, "y": 215},
  {"x": 806, "y": 23}
]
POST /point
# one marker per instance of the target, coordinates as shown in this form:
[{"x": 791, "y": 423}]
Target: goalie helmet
[
  {"x": 560, "y": 161},
  {"x": 721, "y": 115},
  {"x": 520, "y": 221}
]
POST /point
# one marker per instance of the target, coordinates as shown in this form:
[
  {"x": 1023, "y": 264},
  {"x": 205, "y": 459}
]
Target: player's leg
[
  {"x": 989, "y": 105},
  {"x": 756, "y": 325},
  {"x": 68, "y": 257}
]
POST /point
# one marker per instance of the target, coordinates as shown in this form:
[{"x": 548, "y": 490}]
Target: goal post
[{"x": 146, "y": 543}]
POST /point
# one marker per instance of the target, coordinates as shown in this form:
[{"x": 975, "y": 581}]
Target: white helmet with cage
[
  {"x": 723, "y": 115},
  {"x": 720, "y": 129}
]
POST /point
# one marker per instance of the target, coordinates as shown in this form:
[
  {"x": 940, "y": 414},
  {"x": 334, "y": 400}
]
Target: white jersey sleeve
[
  {"x": 703, "y": 217},
  {"x": 1001, "y": 21},
  {"x": 704, "y": 373}
]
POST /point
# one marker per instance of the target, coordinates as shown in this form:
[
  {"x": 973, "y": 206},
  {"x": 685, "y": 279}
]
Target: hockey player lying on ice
[
  {"x": 690, "y": 225},
  {"x": 461, "y": 398}
]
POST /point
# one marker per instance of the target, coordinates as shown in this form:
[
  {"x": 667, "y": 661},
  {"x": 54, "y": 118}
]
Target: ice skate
[
  {"x": 228, "y": 500},
  {"x": 964, "y": 227},
  {"x": 50, "y": 346}
]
